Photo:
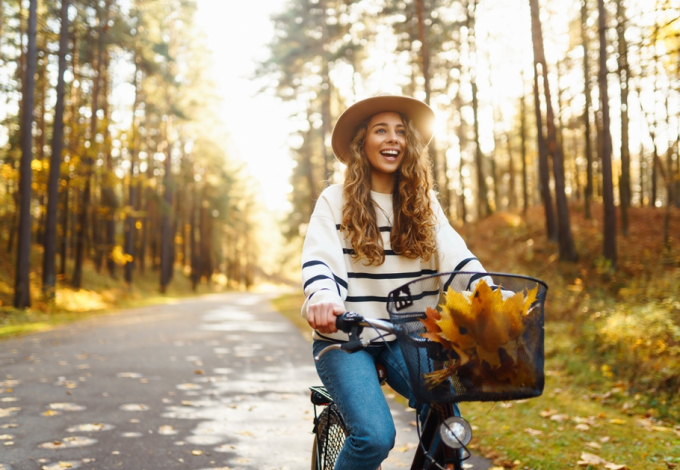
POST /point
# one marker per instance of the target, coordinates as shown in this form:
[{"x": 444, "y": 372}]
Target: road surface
[{"x": 211, "y": 383}]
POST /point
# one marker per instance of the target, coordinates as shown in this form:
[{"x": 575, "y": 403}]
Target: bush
[{"x": 640, "y": 344}]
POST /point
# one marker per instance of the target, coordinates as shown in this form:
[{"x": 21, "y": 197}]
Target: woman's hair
[{"x": 412, "y": 233}]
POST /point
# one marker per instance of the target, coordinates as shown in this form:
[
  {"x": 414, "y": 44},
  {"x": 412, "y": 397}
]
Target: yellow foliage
[
  {"x": 476, "y": 325},
  {"x": 119, "y": 257},
  {"x": 80, "y": 300}
]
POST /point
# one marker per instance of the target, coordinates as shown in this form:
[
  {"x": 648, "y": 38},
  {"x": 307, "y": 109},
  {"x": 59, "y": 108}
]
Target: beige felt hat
[{"x": 420, "y": 114}]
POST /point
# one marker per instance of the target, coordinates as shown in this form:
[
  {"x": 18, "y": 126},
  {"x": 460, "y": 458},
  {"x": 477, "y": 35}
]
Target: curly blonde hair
[{"x": 412, "y": 233}]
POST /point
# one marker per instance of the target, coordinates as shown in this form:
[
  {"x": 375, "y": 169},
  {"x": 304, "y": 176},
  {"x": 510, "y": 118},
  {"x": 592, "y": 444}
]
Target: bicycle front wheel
[{"x": 331, "y": 433}]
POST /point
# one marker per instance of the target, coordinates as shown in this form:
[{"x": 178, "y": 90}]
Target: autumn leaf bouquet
[{"x": 482, "y": 332}]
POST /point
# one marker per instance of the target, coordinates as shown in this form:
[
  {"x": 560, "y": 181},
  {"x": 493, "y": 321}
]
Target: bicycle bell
[{"x": 455, "y": 432}]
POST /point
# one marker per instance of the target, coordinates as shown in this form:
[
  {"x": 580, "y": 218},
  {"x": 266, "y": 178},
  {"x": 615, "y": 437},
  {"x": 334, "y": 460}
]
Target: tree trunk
[
  {"x": 87, "y": 161},
  {"x": 543, "y": 170},
  {"x": 566, "y": 242},
  {"x": 523, "y": 139},
  {"x": 588, "y": 193},
  {"x": 50, "y": 239},
  {"x": 108, "y": 193},
  {"x": 624, "y": 78},
  {"x": 193, "y": 249},
  {"x": 424, "y": 57},
  {"x": 22, "y": 285},
  {"x": 483, "y": 206},
  {"x": 130, "y": 220},
  {"x": 609, "y": 246},
  {"x": 166, "y": 222}
]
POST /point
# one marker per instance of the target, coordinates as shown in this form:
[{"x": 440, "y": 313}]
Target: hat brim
[{"x": 420, "y": 114}]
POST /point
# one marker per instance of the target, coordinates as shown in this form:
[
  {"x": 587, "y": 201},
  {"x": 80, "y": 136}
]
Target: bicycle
[{"x": 443, "y": 370}]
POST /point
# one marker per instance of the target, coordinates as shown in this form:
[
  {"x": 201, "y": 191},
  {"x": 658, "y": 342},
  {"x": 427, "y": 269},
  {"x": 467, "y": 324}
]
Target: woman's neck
[{"x": 382, "y": 183}]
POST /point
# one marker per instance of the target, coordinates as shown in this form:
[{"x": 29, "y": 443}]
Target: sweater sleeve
[
  {"x": 452, "y": 252},
  {"x": 324, "y": 274}
]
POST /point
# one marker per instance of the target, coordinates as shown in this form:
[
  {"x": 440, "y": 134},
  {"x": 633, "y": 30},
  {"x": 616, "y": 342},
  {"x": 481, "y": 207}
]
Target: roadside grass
[
  {"x": 101, "y": 294},
  {"x": 599, "y": 398}
]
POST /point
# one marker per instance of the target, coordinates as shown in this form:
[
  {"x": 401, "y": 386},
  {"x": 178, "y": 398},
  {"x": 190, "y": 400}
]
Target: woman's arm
[{"x": 324, "y": 275}]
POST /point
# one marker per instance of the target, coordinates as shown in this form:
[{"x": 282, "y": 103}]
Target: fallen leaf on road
[
  {"x": 61, "y": 465},
  {"x": 533, "y": 432},
  {"x": 51, "y": 413},
  {"x": 166, "y": 430},
  {"x": 10, "y": 425},
  {"x": 9, "y": 443},
  {"x": 9, "y": 399},
  {"x": 199, "y": 372},
  {"x": 71, "y": 441},
  {"x": 66, "y": 407},
  {"x": 189, "y": 386},
  {"x": 131, "y": 434},
  {"x": 406, "y": 447},
  {"x": 90, "y": 427},
  {"x": 196, "y": 452},
  {"x": 6, "y": 437},
  {"x": 134, "y": 407},
  {"x": 5, "y": 412},
  {"x": 129, "y": 375}
]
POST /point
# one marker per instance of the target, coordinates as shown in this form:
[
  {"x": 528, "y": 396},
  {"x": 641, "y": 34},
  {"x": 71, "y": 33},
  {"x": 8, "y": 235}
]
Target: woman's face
[{"x": 385, "y": 144}]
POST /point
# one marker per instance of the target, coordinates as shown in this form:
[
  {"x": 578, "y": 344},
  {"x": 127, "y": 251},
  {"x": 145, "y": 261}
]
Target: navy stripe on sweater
[
  {"x": 406, "y": 275},
  {"x": 337, "y": 279}
]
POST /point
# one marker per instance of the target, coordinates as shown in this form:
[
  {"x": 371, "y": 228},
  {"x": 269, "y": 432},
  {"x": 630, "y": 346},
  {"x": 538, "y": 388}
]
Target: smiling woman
[{"x": 382, "y": 227}]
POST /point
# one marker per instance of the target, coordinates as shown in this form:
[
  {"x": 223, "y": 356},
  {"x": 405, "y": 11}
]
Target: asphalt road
[{"x": 212, "y": 383}]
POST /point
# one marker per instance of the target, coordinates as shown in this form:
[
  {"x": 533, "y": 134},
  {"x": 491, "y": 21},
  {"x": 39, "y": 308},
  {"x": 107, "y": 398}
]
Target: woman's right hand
[{"x": 322, "y": 316}]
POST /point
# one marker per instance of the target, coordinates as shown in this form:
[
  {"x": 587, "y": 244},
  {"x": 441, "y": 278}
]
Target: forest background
[{"x": 556, "y": 155}]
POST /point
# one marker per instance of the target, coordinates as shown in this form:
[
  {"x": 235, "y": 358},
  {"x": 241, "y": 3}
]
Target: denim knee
[{"x": 374, "y": 445}]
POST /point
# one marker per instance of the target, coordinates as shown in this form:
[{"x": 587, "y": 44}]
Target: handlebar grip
[{"x": 347, "y": 320}]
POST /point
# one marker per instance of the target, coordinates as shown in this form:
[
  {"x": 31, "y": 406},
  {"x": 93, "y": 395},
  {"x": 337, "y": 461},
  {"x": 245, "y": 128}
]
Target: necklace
[{"x": 389, "y": 221}]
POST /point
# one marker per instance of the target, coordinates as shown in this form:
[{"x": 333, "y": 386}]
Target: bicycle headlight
[{"x": 455, "y": 432}]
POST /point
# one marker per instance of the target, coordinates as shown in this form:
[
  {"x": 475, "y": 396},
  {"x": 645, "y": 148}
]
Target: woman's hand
[{"x": 322, "y": 316}]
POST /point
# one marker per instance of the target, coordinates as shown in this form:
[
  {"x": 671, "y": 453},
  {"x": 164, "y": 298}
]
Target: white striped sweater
[{"x": 330, "y": 275}]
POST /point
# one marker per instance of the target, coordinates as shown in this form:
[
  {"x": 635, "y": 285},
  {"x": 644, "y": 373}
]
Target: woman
[{"x": 382, "y": 228}]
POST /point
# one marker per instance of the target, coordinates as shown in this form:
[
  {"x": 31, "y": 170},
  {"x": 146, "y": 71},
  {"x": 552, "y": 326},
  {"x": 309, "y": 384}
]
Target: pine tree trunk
[
  {"x": 50, "y": 240},
  {"x": 624, "y": 78},
  {"x": 523, "y": 139},
  {"x": 566, "y": 242},
  {"x": 543, "y": 169},
  {"x": 130, "y": 220},
  {"x": 588, "y": 193},
  {"x": 22, "y": 285},
  {"x": 166, "y": 221},
  {"x": 88, "y": 160},
  {"x": 108, "y": 193},
  {"x": 609, "y": 247},
  {"x": 483, "y": 206}
]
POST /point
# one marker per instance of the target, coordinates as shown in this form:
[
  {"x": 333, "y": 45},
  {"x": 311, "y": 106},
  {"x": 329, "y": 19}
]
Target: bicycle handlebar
[{"x": 352, "y": 323}]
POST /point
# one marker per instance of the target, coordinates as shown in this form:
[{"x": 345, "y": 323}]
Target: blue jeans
[{"x": 353, "y": 383}]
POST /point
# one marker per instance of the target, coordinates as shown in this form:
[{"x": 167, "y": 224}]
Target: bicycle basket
[{"x": 471, "y": 336}]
